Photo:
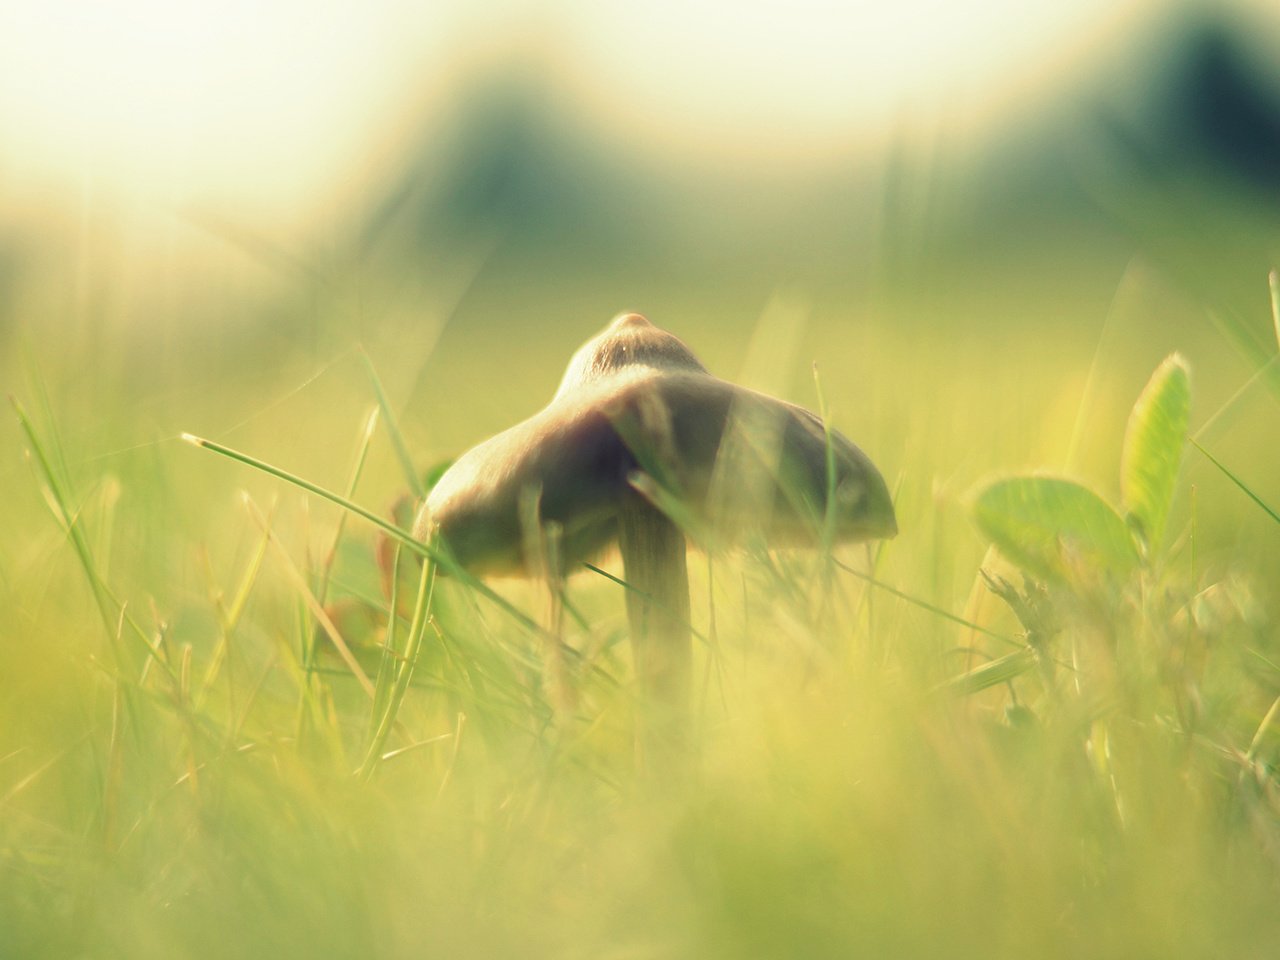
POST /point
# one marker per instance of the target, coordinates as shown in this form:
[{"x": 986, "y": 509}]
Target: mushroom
[{"x": 638, "y": 436}]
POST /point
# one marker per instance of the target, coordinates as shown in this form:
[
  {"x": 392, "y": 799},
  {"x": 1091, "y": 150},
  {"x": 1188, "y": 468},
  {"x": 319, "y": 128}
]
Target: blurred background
[
  {"x": 986, "y": 221},
  {"x": 978, "y": 216}
]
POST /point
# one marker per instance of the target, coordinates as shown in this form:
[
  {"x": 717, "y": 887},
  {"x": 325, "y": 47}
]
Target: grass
[{"x": 890, "y": 759}]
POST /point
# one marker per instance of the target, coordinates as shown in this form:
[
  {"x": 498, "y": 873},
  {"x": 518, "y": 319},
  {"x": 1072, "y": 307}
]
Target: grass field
[{"x": 183, "y": 749}]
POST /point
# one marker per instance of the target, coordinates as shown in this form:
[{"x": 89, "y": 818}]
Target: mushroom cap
[{"x": 635, "y": 400}]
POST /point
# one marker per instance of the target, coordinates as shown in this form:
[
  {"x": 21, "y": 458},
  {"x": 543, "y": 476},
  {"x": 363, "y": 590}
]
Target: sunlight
[{"x": 189, "y": 96}]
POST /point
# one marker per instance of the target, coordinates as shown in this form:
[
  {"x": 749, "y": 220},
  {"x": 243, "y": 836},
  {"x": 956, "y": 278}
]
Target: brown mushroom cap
[{"x": 634, "y": 399}]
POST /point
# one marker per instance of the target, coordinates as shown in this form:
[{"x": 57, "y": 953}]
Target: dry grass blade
[{"x": 313, "y": 605}]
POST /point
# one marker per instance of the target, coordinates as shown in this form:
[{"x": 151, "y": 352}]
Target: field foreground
[{"x": 190, "y": 766}]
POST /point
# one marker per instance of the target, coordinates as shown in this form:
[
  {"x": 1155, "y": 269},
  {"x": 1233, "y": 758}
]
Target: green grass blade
[
  {"x": 104, "y": 599},
  {"x": 44, "y": 407},
  {"x": 393, "y": 429},
  {"x": 383, "y": 683},
  {"x": 357, "y": 468},
  {"x": 69, "y": 517},
  {"x": 247, "y": 581},
  {"x": 1269, "y": 374},
  {"x": 404, "y": 670},
  {"x": 438, "y": 556},
  {"x": 1238, "y": 482},
  {"x": 1247, "y": 344},
  {"x": 926, "y": 605},
  {"x": 697, "y": 634},
  {"x": 313, "y": 607}
]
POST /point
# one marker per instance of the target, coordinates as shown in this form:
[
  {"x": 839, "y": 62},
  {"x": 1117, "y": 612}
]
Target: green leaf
[
  {"x": 1054, "y": 528},
  {"x": 1153, "y": 446},
  {"x": 434, "y": 473}
]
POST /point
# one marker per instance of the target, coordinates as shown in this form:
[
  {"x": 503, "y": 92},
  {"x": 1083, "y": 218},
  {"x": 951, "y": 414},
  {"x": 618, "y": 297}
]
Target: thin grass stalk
[
  {"x": 362, "y": 453},
  {"x": 75, "y": 531},
  {"x": 925, "y": 605},
  {"x": 1238, "y": 482},
  {"x": 435, "y": 554},
  {"x": 384, "y": 682},
  {"x": 229, "y": 617},
  {"x": 393, "y": 430},
  {"x": 312, "y": 604},
  {"x": 404, "y": 670}
]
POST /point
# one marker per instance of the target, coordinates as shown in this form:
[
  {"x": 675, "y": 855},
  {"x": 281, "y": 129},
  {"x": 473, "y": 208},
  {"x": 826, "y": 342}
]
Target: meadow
[{"x": 907, "y": 765}]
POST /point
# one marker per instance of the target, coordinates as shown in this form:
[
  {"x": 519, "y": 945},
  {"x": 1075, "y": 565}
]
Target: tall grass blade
[
  {"x": 357, "y": 468},
  {"x": 229, "y": 616},
  {"x": 393, "y": 430},
  {"x": 312, "y": 603},
  {"x": 386, "y": 663},
  {"x": 404, "y": 670},
  {"x": 70, "y": 518},
  {"x": 103, "y": 598},
  {"x": 247, "y": 581},
  {"x": 45, "y": 408}
]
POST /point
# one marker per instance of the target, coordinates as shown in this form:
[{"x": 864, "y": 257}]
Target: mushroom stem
[{"x": 653, "y": 561}]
